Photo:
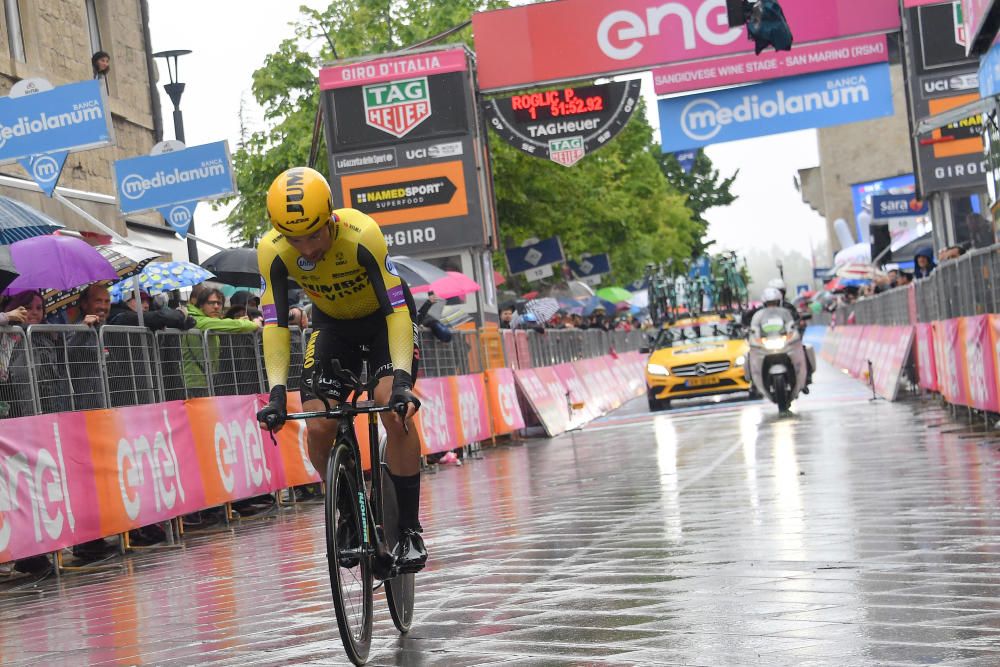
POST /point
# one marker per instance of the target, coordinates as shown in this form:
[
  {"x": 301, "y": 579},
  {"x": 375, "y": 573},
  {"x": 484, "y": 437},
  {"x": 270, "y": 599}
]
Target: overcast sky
[{"x": 230, "y": 39}]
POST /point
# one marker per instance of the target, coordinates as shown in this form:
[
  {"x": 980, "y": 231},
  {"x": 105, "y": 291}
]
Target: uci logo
[{"x": 305, "y": 264}]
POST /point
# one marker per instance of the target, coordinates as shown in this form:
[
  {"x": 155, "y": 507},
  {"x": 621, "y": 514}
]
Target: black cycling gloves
[
  {"x": 274, "y": 413},
  {"x": 402, "y": 392}
]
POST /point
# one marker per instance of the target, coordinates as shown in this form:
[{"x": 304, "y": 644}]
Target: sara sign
[
  {"x": 70, "y": 117},
  {"x": 885, "y": 207},
  {"x": 196, "y": 173},
  {"x": 564, "y": 125},
  {"x": 770, "y": 65},
  {"x": 813, "y": 100},
  {"x": 574, "y": 39}
]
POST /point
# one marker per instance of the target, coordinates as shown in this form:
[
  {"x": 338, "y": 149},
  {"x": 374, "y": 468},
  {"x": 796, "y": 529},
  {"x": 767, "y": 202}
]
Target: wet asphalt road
[{"x": 852, "y": 533}]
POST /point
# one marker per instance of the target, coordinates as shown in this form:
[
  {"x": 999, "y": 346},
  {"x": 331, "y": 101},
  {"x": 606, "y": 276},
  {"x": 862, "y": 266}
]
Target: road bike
[{"x": 361, "y": 519}]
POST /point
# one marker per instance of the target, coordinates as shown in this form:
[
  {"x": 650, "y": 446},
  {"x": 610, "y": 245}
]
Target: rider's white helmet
[
  {"x": 777, "y": 283},
  {"x": 771, "y": 295}
]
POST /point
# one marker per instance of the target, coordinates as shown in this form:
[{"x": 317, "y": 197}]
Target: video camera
[{"x": 765, "y": 22}]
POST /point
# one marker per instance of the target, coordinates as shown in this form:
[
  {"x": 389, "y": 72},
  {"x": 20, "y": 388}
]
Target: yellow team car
[{"x": 696, "y": 357}]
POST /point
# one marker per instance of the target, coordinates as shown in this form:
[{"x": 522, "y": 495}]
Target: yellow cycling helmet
[{"x": 299, "y": 202}]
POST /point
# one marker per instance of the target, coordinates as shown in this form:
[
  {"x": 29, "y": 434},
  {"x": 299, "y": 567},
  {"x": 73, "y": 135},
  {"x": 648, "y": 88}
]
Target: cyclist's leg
[{"x": 323, "y": 346}]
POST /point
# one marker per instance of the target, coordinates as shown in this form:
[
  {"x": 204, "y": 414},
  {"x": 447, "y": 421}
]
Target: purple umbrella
[{"x": 57, "y": 262}]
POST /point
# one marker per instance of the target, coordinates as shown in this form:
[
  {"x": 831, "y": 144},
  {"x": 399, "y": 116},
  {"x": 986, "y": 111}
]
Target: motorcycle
[{"x": 778, "y": 363}]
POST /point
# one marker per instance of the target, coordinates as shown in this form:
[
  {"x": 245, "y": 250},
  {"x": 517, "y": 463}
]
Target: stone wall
[{"x": 57, "y": 47}]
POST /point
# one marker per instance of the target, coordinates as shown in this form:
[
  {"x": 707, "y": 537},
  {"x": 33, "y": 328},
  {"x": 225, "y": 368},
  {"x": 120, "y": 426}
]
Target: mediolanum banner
[
  {"x": 814, "y": 100},
  {"x": 575, "y": 39}
]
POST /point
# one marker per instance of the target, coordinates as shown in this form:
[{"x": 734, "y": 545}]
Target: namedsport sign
[{"x": 810, "y": 101}]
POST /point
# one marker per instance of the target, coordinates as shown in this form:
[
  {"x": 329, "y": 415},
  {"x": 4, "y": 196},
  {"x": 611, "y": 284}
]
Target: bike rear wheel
[
  {"x": 399, "y": 591},
  {"x": 347, "y": 552}
]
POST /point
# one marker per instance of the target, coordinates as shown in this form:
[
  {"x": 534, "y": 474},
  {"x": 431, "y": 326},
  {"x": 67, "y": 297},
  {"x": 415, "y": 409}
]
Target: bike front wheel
[
  {"x": 347, "y": 552},
  {"x": 399, "y": 591}
]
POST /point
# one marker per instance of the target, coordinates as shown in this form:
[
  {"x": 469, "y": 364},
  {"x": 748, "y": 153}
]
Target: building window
[
  {"x": 93, "y": 26},
  {"x": 15, "y": 38}
]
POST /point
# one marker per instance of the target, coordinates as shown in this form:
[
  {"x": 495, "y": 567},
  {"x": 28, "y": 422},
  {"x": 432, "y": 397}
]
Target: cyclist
[{"x": 341, "y": 260}]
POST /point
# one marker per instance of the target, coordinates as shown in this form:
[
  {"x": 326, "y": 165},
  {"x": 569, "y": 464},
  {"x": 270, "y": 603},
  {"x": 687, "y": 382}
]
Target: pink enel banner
[
  {"x": 573, "y": 39},
  {"x": 770, "y": 65},
  {"x": 473, "y": 408},
  {"x": 980, "y": 363},
  {"x": 550, "y": 408},
  {"x": 437, "y": 420},
  {"x": 505, "y": 411},
  {"x": 926, "y": 369},
  {"x": 893, "y": 353},
  {"x": 951, "y": 361},
  {"x": 382, "y": 70},
  {"x": 578, "y": 395}
]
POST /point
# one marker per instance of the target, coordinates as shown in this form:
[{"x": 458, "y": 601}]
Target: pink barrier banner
[
  {"x": 293, "y": 446},
  {"x": 926, "y": 368},
  {"x": 578, "y": 394},
  {"x": 473, "y": 408},
  {"x": 548, "y": 405},
  {"x": 749, "y": 68},
  {"x": 894, "y": 353},
  {"x": 574, "y": 39},
  {"x": 980, "y": 363},
  {"x": 951, "y": 362},
  {"x": 437, "y": 420},
  {"x": 505, "y": 410}
]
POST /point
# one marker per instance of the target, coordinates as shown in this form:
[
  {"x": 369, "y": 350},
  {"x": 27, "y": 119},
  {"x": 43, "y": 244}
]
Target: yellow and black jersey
[{"x": 354, "y": 279}]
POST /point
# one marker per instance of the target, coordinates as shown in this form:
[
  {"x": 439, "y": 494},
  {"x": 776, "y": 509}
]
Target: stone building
[
  {"x": 857, "y": 153},
  {"x": 54, "y": 40}
]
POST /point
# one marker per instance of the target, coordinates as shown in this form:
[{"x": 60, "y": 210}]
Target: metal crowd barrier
[
  {"x": 962, "y": 287},
  {"x": 57, "y": 368}
]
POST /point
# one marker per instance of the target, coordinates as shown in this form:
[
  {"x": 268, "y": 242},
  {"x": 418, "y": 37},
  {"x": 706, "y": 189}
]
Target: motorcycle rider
[{"x": 775, "y": 291}]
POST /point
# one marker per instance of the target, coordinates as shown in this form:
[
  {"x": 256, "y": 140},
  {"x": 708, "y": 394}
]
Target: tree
[
  {"x": 703, "y": 187},
  {"x": 285, "y": 86},
  {"x": 615, "y": 200}
]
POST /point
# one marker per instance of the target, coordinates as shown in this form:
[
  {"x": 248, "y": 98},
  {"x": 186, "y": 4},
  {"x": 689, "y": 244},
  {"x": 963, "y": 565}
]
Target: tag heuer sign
[
  {"x": 397, "y": 107},
  {"x": 566, "y": 124},
  {"x": 568, "y": 151}
]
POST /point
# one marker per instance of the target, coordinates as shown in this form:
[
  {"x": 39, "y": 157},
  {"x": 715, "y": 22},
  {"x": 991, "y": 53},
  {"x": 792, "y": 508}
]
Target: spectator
[
  {"x": 14, "y": 314},
  {"x": 237, "y": 312},
  {"x": 506, "y": 315},
  {"x": 125, "y": 314},
  {"x": 904, "y": 279},
  {"x": 924, "y": 260},
  {"x": 206, "y": 309},
  {"x": 83, "y": 349},
  {"x": 244, "y": 298},
  {"x": 101, "y": 64},
  {"x": 598, "y": 319},
  {"x": 53, "y": 386},
  {"x": 951, "y": 252},
  {"x": 297, "y": 318},
  {"x": 440, "y": 330}
]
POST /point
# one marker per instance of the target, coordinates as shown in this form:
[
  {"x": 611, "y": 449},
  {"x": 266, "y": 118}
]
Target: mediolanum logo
[
  {"x": 134, "y": 186},
  {"x": 703, "y": 118},
  {"x": 623, "y": 34},
  {"x": 397, "y": 107}
]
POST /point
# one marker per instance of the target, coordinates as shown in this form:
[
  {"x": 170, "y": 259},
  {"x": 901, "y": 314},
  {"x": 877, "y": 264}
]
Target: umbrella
[
  {"x": 57, "y": 262},
  {"x": 498, "y": 279},
  {"x": 454, "y": 284},
  {"x": 161, "y": 277},
  {"x": 417, "y": 272},
  {"x": 594, "y": 302},
  {"x": 614, "y": 294},
  {"x": 579, "y": 289},
  {"x": 543, "y": 308},
  {"x": 19, "y": 221},
  {"x": 236, "y": 266},
  {"x": 127, "y": 261},
  {"x": 7, "y": 270},
  {"x": 640, "y": 299},
  {"x": 857, "y": 271}
]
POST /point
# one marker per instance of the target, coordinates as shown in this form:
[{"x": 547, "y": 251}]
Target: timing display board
[
  {"x": 403, "y": 148},
  {"x": 566, "y": 124}
]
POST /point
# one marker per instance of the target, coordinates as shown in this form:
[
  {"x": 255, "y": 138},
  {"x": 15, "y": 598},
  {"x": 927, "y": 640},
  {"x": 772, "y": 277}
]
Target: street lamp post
[{"x": 174, "y": 90}]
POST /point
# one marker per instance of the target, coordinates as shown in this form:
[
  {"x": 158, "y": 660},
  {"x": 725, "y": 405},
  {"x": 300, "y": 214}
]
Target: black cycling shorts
[{"x": 343, "y": 340}]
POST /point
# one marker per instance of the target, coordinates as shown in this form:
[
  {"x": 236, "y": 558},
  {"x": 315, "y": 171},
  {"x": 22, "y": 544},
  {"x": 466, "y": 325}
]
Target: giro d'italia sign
[
  {"x": 566, "y": 124},
  {"x": 773, "y": 107},
  {"x": 403, "y": 147}
]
